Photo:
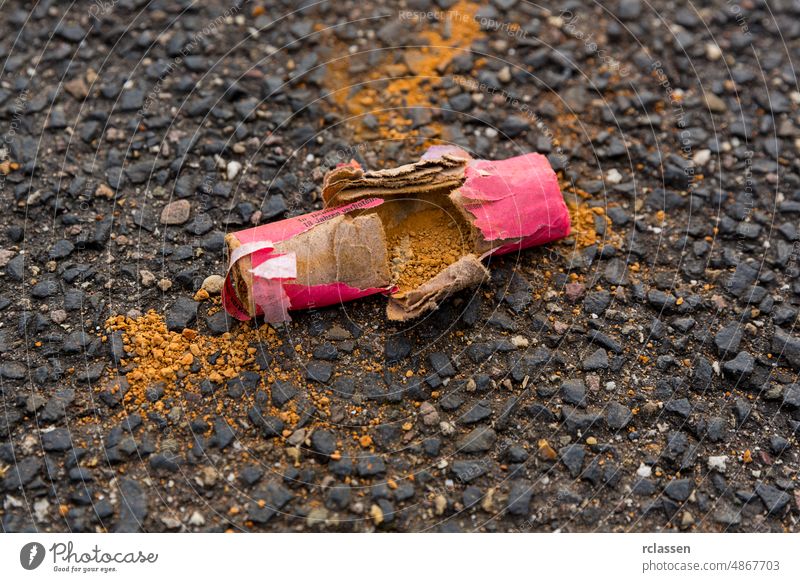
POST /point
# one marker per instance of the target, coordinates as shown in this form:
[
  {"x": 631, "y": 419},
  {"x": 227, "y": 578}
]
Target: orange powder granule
[
  {"x": 423, "y": 245},
  {"x": 582, "y": 221}
]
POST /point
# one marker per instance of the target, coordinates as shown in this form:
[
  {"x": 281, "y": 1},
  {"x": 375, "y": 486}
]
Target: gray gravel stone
[
  {"x": 597, "y": 360},
  {"x": 787, "y": 347},
  {"x": 466, "y": 471},
  {"x": 479, "y": 440},
  {"x": 791, "y": 396},
  {"x": 618, "y": 416},
  {"x": 481, "y": 411},
  {"x": 574, "y": 392},
  {"x": 741, "y": 366},
  {"x": 728, "y": 339},
  {"x": 133, "y": 506},
  {"x": 13, "y": 371},
  {"x": 182, "y": 314},
  {"x": 775, "y": 500},
  {"x": 57, "y": 440},
  {"x": 519, "y": 498},
  {"x": 323, "y": 442},
  {"x": 572, "y": 456},
  {"x": 679, "y": 489},
  {"x": 319, "y": 371}
]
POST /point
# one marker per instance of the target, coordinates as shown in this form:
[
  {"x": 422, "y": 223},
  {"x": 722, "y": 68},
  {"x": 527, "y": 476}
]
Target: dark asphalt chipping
[{"x": 580, "y": 389}]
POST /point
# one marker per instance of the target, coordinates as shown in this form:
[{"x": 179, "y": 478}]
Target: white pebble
[
  {"x": 701, "y": 157},
  {"x": 644, "y": 471},
  {"x": 170, "y": 522},
  {"x": 58, "y": 316},
  {"x": 233, "y": 169},
  {"x": 504, "y": 75},
  {"x": 713, "y": 52},
  {"x": 613, "y": 176},
  {"x": 147, "y": 277},
  {"x": 519, "y": 341},
  {"x": 447, "y": 428},
  {"x": 718, "y": 463},
  {"x": 213, "y": 284},
  {"x": 5, "y": 256},
  {"x": 40, "y": 509}
]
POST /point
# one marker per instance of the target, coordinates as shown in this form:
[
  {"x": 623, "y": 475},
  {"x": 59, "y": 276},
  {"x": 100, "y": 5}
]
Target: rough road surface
[{"x": 638, "y": 376}]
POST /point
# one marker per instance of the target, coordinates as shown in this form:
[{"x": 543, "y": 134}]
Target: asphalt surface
[{"x": 637, "y": 376}]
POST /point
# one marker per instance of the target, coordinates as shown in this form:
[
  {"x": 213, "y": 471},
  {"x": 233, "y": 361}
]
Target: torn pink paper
[
  {"x": 332, "y": 294},
  {"x": 517, "y": 198}
]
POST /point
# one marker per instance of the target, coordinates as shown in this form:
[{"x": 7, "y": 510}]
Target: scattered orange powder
[
  {"x": 582, "y": 220},
  {"x": 410, "y": 85},
  {"x": 180, "y": 361},
  {"x": 582, "y": 217},
  {"x": 423, "y": 245},
  {"x": 6, "y": 167}
]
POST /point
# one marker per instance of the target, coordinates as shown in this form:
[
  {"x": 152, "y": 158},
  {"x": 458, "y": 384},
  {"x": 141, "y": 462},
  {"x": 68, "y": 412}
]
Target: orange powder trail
[{"x": 411, "y": 83}]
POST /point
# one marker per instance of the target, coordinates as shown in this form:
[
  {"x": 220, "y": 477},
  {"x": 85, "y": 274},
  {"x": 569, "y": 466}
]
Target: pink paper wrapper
[{"x": 510, "y": 204}]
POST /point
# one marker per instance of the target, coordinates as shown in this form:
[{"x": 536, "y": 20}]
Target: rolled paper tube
[{"x": 341, "y": 252}]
